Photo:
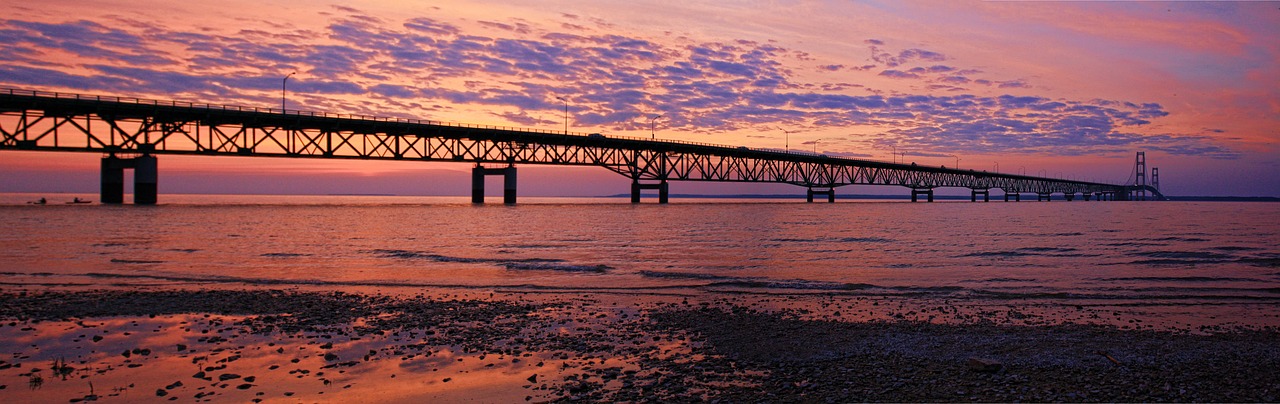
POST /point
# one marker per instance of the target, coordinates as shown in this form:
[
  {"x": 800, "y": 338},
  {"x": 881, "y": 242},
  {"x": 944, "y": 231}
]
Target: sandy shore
[{"x": 315, "y": 345}]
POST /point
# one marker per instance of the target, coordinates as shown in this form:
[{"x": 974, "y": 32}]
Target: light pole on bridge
[
  {"x": 652, "y": 121},
  {"x": 786, "y": 138},
  {"x": 957, "y": 161},
  {"x": 815, "y": 143},
  {"x": 997, "y": 167},
  {"x": 566, "y": 114},
  {"x": 895, "y": 153},
  {"x": 283, "y": 85}
]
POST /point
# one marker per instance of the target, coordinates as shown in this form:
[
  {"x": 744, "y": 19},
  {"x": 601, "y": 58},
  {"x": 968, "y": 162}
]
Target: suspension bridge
[{"x": 131, "y": 132}]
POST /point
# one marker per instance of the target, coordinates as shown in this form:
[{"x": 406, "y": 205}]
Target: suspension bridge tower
[
  {"x": 1155, "y": 178},
  {"x": 1140, "y": 176}
]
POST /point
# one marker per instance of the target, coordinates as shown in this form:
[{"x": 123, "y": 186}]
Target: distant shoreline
[
  {"x": 903, "y": 197},
  {"x": 946, "y": 197}
]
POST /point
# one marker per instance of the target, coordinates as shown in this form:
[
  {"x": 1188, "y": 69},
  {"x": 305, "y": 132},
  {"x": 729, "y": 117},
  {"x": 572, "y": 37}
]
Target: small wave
[
  {"x": 531, "y": 246},
  {"x": 1165, "y": 262},
  {"x": 112, "y": 244},
  {"x": 285, "y": 255},
  {"x": 1032, "y": 295},
  {"x": 997, "y": 254},
  {"x": 549, "y": 264},
  {"x": 1185, "y": 255},
  {"x": 1261, "y": 262},
  {"x": 184, "y": 250},
  {"x": 1175, "y": 238},
  {"x": 1048, "y": 249},
  {"x": 1235, "y": 248},
  {"x": 26, "y": 274},
  {"x": 405, "y": 254},
  {"x": 1178, "y": 279},
  {"x": 124, "y": 261},
  {"x": 1033, "y": 251},
  {"x": 833, "y": 240},
  {"x": 790, "y": 284},
  {"x": 679, "y": 275},
  {"x": 1134, "y": 244},
  {"x": 1002, "y": 280},
  {"x": 266, "y": 281},
  {"x": 1202, "y": 289},
  {"x": 796, "y": 284},
  {"x": 1206, "y": 295},
  {"x": 556, "y": 267},
  {"x": 865, "y": 240}
]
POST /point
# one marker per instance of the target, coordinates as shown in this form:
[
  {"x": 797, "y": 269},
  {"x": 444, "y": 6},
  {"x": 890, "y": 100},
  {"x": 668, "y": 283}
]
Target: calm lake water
[{"x": 1161, "y": 254}]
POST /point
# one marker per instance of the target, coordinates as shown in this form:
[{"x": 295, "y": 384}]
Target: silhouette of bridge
[{"x": 131, "y": 132}]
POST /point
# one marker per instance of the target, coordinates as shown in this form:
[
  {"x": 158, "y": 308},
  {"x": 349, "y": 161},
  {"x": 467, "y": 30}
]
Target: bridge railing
[{"x": 223, "y": 107}]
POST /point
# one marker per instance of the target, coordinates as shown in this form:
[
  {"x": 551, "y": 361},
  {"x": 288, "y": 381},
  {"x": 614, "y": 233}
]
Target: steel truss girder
[{"x": 99, "y": 127}]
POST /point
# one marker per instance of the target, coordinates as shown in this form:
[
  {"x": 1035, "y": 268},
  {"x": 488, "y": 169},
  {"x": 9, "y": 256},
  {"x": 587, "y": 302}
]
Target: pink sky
[{"x": 1067, "y": 89}]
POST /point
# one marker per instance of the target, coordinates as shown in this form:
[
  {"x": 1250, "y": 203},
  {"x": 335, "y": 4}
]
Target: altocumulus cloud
[{"x": 613, "y": 81}]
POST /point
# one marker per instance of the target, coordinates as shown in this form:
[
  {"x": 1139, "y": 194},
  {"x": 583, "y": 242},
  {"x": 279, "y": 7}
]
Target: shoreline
[{"x": 516, "y": 346}]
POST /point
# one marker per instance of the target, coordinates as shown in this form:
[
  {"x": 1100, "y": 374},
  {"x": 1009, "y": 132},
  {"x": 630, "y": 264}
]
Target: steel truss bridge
[{"x": 130, "y": 132}]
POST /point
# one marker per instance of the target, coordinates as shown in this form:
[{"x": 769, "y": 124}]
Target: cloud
[
  {"x": 932, "y": 69},
  {"x": 429, "y": 26},
  {"x": 613, "y": 82},
  {"x": 903, "y": 57},
  {"x": 1014, "y": 84},
  {"x": 897, "y": 74}
]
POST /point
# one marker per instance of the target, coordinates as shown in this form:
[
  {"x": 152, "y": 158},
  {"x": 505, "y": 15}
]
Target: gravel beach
[{"x": 504, "y": 346}]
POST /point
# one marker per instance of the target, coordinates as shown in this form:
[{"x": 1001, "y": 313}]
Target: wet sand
[{"x": 311, "y": 344}]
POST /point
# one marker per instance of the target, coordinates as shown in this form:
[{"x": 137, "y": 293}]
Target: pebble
[
  {"x": 739, "y": 350},
  {"x": 984, "y": 365}
]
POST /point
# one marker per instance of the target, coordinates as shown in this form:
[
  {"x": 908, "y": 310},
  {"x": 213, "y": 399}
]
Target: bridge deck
[{"x": 110, "y": 125}]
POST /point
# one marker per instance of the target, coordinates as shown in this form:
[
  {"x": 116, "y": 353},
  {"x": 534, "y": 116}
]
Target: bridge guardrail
[{"x": 223, "y": 107}]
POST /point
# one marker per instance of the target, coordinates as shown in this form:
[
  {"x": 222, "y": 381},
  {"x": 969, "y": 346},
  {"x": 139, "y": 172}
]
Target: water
[{"x": 1199, "y": 260}]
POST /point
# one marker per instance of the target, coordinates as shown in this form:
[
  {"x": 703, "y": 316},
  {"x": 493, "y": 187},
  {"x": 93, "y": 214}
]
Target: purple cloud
[
  {"x": 897, "y": 74},
  {"x": 613, "y": 81}
]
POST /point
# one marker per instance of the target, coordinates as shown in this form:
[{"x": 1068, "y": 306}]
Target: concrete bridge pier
[
  {"x": 1044, "y": 197},
  {"x": 145, "y": 179},
  {"x": 662, "y": 187},
  {"x": 1070, "y": 196},
  {"x": 112, "y": 180},
  {"x": 1017, "y": 197},
  {"x": 986, "y": 195},
  {"x": 829, "y": 192},
  {"x": 508, "y": 183},
  {"x": 1086, "y": 195},
  {"x": 915, "y": 194}
]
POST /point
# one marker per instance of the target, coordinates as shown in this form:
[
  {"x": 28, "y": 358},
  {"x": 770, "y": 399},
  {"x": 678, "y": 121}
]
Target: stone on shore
[{"x": 984, "y": 365}]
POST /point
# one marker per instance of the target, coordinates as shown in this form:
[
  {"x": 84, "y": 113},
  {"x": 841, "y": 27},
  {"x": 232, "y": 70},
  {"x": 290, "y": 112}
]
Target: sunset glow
[{"x": 1069, "y": 89}]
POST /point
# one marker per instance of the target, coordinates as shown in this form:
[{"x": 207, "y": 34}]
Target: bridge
[{"x": 131, "y": 132}]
